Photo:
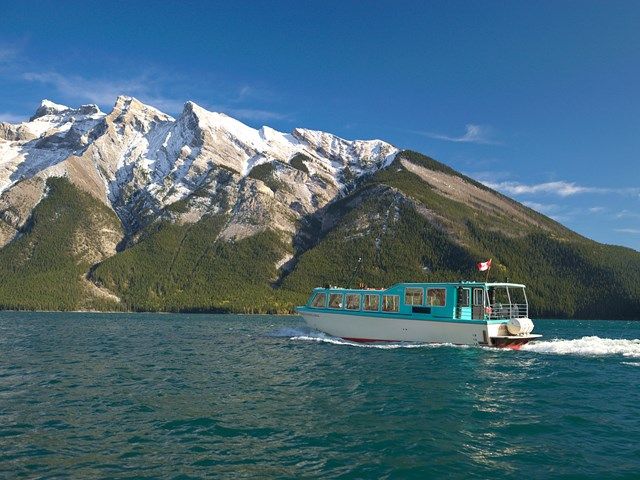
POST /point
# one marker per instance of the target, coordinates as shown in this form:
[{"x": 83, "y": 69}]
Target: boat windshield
[{"x": 507, "y": 302}]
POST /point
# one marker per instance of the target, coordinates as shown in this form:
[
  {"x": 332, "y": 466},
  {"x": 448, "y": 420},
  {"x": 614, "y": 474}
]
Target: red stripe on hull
[
  {"x": 512, "y": 345},
  {"x": 368, "y": 340}
]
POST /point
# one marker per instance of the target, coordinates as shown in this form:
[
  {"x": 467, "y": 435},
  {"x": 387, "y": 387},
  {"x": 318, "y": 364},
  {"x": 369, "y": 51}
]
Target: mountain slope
[
  {"x": 403, "y": 230},
  {"x": 208, "y": 214},
  {"x": 45, "y": 268},
  {"x": 180, "y": 268},
  {"x": 406, "y": 231}
]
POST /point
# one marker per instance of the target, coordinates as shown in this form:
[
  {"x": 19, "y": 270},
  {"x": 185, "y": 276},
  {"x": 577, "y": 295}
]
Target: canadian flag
[{"x": 484, "y": 266}]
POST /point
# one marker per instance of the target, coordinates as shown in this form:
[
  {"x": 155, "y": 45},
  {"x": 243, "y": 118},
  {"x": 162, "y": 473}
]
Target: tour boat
[{"x": 463, "y": 313}]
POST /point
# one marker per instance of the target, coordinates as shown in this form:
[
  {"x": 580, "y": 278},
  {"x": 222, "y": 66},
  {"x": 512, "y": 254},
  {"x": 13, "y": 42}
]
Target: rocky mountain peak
[
  {"x": 89, "y": 109},
  {"x": 47, "y": 107},
  {"x": 51, "y": 111},
  {"x": 191, "y": 107},
  {"x": 131, "y": 110}
]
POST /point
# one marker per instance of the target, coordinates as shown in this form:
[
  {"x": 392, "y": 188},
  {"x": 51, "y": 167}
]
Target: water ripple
[{"x": 194, "y": 396}]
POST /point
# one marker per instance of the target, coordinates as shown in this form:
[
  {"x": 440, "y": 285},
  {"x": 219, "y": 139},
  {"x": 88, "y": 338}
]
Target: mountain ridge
[{"x": 146, "y": 159}]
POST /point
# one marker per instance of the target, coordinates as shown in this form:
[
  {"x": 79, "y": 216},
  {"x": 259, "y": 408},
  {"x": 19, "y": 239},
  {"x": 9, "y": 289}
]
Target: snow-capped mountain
[
  {"x": 140, "y": 161},
  {"x": 52, "y": 134}
]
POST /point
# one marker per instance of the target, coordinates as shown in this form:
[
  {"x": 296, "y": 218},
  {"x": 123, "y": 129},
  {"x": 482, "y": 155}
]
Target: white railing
[{"x": 503, "y": 311}]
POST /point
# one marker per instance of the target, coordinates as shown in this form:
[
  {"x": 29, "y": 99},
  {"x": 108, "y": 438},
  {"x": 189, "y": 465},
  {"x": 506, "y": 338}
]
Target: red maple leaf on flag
[{"x": 484, "y": 266}]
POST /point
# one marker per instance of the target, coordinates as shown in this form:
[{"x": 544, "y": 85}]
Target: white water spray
[{"x": 587, "y": 346}]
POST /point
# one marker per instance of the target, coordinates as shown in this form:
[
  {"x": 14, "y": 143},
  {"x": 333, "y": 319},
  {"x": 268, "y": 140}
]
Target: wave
[
  {"x": 587, "y": 346},
  {"x": 289, "y": 332}
]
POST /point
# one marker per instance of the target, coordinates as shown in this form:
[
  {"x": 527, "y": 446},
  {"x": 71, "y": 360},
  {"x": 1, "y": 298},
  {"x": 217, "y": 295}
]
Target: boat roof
[
  {"x": 436, "y": 284},
  {"x": 464, "y": 282}
]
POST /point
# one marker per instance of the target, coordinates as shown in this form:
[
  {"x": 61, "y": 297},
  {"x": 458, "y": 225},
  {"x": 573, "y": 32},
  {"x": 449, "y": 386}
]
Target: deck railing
[{"x": 501, "y": 311}]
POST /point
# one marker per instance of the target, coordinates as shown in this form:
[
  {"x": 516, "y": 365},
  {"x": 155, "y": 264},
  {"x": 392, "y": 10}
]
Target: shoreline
[
  {"x": 112, "y": 312},
  {"x": 128, "y": 312}
]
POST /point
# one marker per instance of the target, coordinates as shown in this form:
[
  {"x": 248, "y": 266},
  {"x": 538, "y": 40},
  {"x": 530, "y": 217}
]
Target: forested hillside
[
  {"x": 45, "y": 268},
  {"x": 402, "y": 229}
]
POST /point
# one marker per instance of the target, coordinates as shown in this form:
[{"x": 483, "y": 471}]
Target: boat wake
[
  {"x": 321, "y": 337},
  {"x": 587, "y": 346},
  {"x": 309, "y": 335}
]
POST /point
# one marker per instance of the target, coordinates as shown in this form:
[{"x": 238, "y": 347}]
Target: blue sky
[{"x": 539, "y": 99}]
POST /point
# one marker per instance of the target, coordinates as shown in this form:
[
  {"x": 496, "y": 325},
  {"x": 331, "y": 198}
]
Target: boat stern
[
  {"x": 513, "y": 342},
  {"x": 511, "y": 333}
]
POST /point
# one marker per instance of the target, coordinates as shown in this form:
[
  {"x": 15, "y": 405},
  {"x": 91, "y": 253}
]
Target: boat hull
[{"x": 363, "y": 328}]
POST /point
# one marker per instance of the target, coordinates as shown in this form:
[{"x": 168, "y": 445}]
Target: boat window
[
  {"x": 436, "y": 297},
  {"x": 353, "y": 301},
  {"x": 335, "y": 300},
  {"x": 517, "y": 295},
  {"x": 390, "y": 303},
  {"x": 463, "y": 297},
  {"x": 478, "y": 296},
  {"x": 371, "y": 302},
  {"x": 498, "y": 295},
  {"x": 413, "y": 296},
  {"x": 319, "y": 300}
]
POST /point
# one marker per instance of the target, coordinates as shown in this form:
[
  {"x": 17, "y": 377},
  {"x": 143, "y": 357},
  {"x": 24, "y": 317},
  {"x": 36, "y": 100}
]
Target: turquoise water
[{"x": 192, "y": 396}]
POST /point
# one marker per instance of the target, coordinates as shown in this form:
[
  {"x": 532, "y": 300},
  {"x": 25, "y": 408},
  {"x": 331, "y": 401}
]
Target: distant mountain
[{"x": 137, "y": 210}]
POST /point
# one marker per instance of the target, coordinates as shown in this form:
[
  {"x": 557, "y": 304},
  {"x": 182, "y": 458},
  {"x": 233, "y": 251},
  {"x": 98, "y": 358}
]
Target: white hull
[{"x": 365, "y": 328}]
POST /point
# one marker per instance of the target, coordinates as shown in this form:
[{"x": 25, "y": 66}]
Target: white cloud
[
  {"x": 562, "y": 212},
  {"x": 254, "y": 114},
  {"x": 561, "y": 218},
  {"x": 632, "y": 231},
  {"x": 6, "y": 53},
  {"x": 9, "y": 52},
  {"x": 93, "y": 90},
  {"x": 245, "y": 91},
  {"x": 151, "y": 85},
  {"x": 144, "y": 88},
  {"x": 11, "y": 117},
  {"x": 166, "y": 105},
  {"x": 627, "y": 214},
  {"x": 542, "y": 207},
  {"x": 480, "y": 134},
  {"x": 515, "y": 188},
  {"x": 560, "y": 188},
  {"x": 488, "y": 175}
]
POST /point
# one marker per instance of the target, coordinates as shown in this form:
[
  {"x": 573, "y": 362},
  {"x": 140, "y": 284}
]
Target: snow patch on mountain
[
  {"x": 148, "y": 160},
  {"x": 54, "y": 133}
]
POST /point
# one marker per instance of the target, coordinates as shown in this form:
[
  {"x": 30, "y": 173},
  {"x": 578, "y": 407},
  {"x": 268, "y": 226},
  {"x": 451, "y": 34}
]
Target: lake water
[{"x": 191, "y": 396}]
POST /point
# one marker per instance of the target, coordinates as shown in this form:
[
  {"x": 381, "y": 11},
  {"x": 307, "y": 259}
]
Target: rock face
[{"x": 140, "y": 161}]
